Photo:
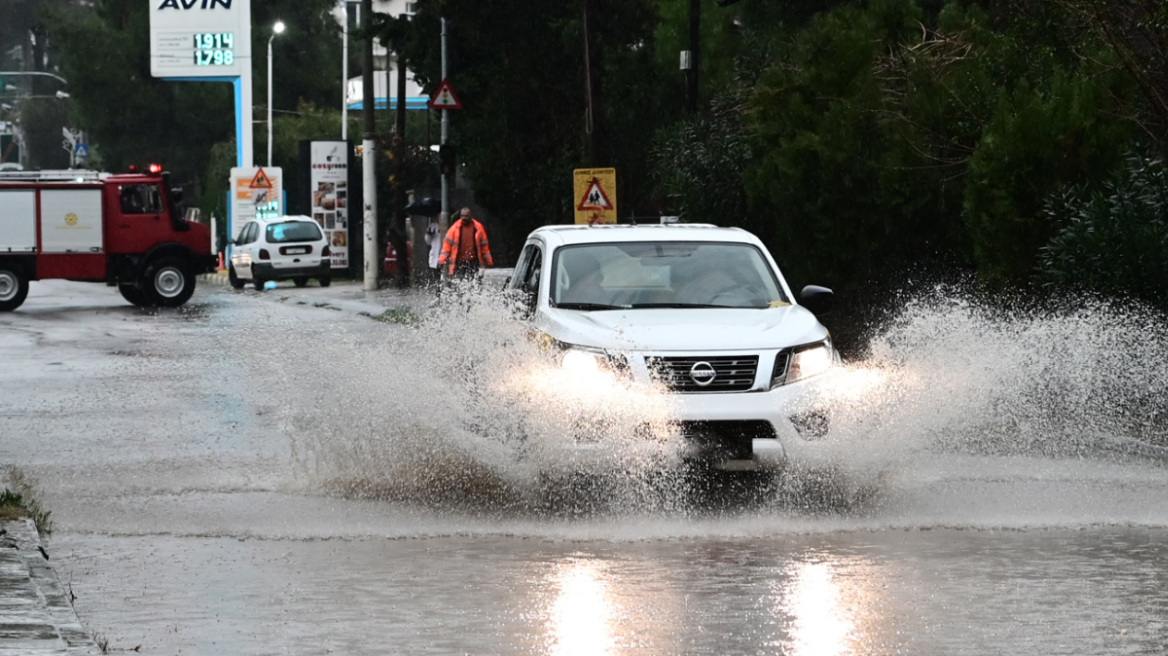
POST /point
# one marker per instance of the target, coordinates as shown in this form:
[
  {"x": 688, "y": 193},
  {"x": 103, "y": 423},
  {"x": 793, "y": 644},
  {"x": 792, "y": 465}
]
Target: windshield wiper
[
  {"x": 683, "y": 305},
  {"x": 589, "y": 306}
]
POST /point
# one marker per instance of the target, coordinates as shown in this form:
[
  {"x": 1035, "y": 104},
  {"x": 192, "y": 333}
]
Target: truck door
[
  {"x": 70, "y": 221},
  {"x": 138, "y": 219}
]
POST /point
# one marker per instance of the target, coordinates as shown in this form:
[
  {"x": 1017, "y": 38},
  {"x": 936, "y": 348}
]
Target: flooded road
[{"x": 275, "y": 474}]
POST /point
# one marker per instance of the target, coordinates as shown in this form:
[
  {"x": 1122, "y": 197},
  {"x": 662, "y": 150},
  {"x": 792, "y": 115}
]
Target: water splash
[
  {"x": 973, "y": 377},
  {"x": 466, "y": 411}
]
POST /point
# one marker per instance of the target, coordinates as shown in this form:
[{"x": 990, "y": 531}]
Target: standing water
[
  {"x": 264, "y": 476},
  {"x": 959, "y": 414}
]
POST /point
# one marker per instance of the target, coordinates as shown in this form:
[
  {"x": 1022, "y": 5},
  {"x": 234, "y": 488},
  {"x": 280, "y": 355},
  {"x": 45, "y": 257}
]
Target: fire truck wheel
[
  {"x": 133, "y": 294},
  {"x": 168, "y": 282},
  {"x": 236, "y": 283},
  {"x": 300, "y": 282},
  {"x": 13, "y": 289},
  {"x": 325, "y": 281}
]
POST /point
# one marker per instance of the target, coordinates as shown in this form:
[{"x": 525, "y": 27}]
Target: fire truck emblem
[{"x": 71, "y": 219}]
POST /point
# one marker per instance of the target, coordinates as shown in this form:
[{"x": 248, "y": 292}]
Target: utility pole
[
  {"x": 397, "y": 233},
  {"x": 369, "y": 154},
  {"x": 694, "y": 55},
  {"x": 589, "y": 121},
  {"x": 444, "y": 217},
  {"x": 344, "y": 71}
]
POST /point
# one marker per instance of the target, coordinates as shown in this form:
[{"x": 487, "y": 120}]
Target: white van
[{"x": 699, "y": 311}]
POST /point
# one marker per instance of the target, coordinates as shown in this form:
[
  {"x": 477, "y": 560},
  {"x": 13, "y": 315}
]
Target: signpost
[
  {"x": 256, "y": 193},
  {"x": 72, "y": 140}
]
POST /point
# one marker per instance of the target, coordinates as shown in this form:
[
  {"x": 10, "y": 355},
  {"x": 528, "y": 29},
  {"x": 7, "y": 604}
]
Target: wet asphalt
[{"x": 37, "y": 617}]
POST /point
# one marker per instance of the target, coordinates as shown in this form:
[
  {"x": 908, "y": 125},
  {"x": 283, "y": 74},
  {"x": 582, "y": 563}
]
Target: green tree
[
  {"x": 1111, "y": 237},
  {"x": 841, "y": 196},
  {"x": 519, "y": 69},
  {"x": 41, "y": 120},
  {"x": 1058, "y": 118}
]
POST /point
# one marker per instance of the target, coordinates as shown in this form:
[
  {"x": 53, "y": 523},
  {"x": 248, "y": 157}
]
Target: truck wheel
[
  {"x": 325, "y": 281},
  {"x": 300, "y": 282},
  {"x": 13, "y": 289},
  {"x": 236, "y": 283},
  {"x": 133, "y": 294},
  {"x": 168, "y": 282}
]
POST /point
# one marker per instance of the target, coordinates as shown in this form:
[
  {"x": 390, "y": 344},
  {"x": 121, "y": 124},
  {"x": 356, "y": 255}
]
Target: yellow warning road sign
[{"x": 595, "y": 191}]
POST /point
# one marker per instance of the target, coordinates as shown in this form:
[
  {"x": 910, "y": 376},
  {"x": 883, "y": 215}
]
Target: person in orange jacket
[{"x": 465, "y": 249}]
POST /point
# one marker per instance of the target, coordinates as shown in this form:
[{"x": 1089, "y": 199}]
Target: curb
[
  {"x": 214, "y": 278},
  {"x": 36, "y": 611}
]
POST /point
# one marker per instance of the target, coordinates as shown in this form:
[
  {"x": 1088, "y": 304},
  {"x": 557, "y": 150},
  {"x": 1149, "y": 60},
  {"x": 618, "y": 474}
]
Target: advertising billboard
[
  {"x": 200, "y": 38},
  {"x": 331, "y": 197}
]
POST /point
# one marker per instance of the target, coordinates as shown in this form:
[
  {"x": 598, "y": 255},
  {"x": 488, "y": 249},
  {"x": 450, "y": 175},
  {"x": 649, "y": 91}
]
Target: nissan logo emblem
[{"x": 702, "y": 373}]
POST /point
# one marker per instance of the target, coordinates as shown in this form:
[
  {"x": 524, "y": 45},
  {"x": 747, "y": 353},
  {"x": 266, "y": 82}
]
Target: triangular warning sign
[
  {"x": 261, "y": 181},
  {"x": 594, "y": 198},
  {"x": 445, "y": 98}
]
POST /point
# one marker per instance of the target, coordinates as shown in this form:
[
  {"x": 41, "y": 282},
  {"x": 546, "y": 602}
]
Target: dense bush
[{"x": 1112, "y": 238}]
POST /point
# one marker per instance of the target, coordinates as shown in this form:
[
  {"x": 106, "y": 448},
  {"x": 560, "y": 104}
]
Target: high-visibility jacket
[{"x": 449, "y": 256}]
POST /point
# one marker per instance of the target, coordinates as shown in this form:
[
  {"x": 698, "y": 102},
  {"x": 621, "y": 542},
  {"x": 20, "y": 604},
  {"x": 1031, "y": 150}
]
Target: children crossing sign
[{"x": 595, "y": 192}]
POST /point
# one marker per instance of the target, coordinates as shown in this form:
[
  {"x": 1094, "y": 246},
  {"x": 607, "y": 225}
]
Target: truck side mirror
[{"x": 817, "y": 299}]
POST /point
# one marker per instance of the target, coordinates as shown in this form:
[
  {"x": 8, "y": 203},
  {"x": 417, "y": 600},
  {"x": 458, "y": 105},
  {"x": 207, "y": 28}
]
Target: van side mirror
[{"x": 819, "y": 300}]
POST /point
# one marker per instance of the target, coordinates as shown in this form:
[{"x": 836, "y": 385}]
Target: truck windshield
[
  {"x": 664, "y": 274},
  {"x": 293, "y": 231}
]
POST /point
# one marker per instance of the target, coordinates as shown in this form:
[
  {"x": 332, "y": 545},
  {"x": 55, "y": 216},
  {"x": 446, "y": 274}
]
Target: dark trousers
[{"x": 465, "y": 270}]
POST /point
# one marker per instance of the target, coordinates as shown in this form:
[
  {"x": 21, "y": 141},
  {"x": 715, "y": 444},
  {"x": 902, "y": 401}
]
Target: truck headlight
[
  {"x": 589, "y": 361},
  {"x": 805, "y": 361}
]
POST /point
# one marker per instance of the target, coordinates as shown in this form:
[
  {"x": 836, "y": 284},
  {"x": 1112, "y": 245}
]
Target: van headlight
[{"x": 804, "y": 362}]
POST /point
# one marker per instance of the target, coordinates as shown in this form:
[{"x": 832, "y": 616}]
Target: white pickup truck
[{"x": 699, "y": 311}]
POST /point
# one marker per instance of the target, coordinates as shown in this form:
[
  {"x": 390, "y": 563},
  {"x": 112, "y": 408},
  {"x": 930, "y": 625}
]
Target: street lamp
[{"x": 278, "y": 28}]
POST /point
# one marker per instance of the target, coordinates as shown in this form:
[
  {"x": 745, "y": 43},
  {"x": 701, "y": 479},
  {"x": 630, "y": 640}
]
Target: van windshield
[
  {"x": 293, "y": 231},
  {"x": 664, "y": 274}
]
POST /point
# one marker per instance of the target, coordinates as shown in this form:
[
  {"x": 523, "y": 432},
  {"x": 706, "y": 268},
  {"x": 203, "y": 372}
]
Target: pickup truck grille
[{"x": 686, "y": 374}]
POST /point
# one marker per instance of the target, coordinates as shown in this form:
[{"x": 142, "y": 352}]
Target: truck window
[{"x": 140, "y": 199}]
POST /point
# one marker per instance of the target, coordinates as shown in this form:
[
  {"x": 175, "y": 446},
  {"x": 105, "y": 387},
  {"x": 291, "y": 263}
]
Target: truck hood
[{"x": 714, "y": 329}]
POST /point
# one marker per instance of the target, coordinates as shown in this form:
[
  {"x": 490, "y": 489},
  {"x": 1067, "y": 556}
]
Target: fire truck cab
[{"x": 123, "y": 230}]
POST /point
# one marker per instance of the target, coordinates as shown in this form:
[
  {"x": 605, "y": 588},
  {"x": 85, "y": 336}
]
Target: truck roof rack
[{"x": 62, "y": 175}]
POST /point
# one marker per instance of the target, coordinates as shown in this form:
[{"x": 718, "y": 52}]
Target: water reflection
[
  {"x": 582, "y": 611},
  {"x": 820, "y": 623},
  {"x": 833, "y": 607}
]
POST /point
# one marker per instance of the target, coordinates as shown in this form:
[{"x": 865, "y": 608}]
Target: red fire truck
[{"x": 124, "y": 230}]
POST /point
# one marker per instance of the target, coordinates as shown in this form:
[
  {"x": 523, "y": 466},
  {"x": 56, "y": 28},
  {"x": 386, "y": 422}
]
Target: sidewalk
[
  {"x": 36, "y": 616},
  {"x": 350, "y": 295}
]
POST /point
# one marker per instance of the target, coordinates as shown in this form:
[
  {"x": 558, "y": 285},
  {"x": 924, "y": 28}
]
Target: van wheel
[
  {"x": 236, "y": 283},
  {"x": 167, "y": 282},
  {"x": 325, "y": 281},
  {"x": 300, "y": 282},
  {"x": 13, "y": 289},
  {"x": 133, "y": 294}
]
